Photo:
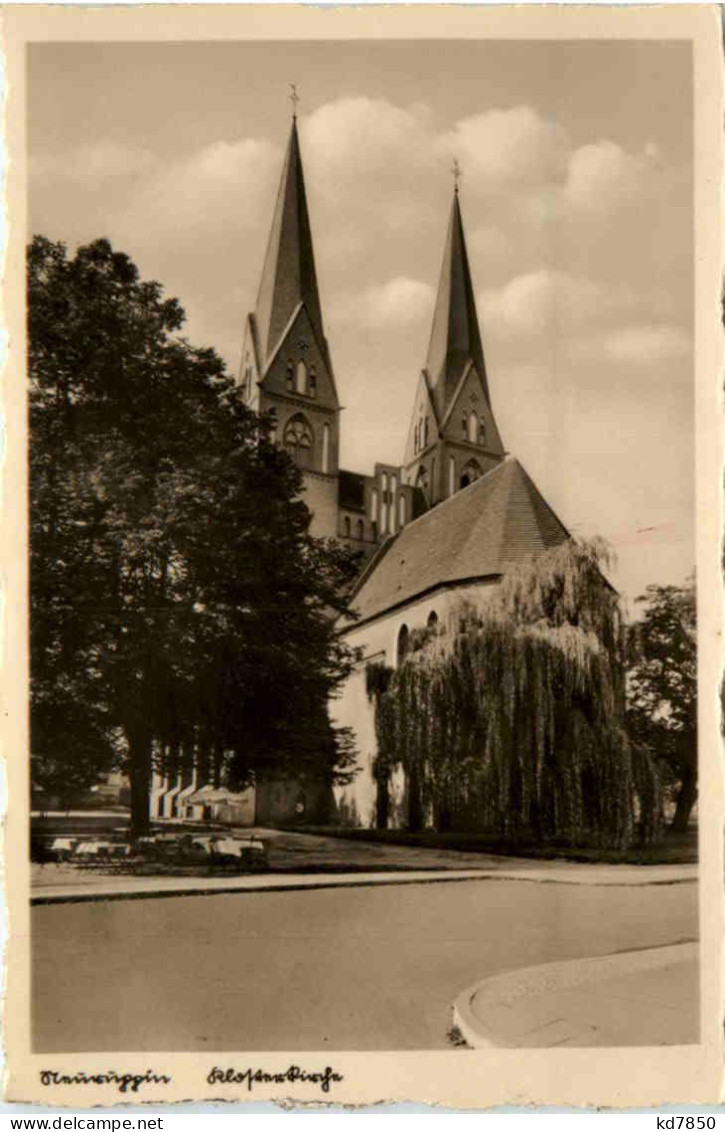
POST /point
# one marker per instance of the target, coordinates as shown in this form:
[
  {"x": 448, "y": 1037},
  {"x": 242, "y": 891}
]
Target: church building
[
  {"x": 435, "y": 530},
  {"x": 438, "y": 529}
]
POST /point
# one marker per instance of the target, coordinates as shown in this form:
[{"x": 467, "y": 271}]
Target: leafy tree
[
  {"x": 662, "y": 687},
  {"x": 512, "y": 721},
  {"x": 176, "y": 592}
]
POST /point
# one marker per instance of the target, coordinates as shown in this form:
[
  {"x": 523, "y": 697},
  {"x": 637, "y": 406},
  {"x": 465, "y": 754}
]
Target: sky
[{"x": 576, "y": 196}]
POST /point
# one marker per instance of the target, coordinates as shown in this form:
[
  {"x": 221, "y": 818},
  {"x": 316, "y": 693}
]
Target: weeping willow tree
[{"x": 512, "y": 723}]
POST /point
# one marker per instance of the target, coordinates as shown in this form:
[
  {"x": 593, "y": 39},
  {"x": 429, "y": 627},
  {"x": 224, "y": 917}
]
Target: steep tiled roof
[
  {"x": 479, "y": 532},
  {"x": 455, "y": 338},
  {"x": 288, "y": 277}
]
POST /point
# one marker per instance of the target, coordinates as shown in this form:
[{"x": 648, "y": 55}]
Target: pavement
[
  {"x": 360, "y": 967},
  {"x": 636, "y": 998},
  {"x": 53, "y": 884}
]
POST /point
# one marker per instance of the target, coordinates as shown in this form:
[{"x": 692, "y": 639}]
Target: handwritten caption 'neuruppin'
[
  {"x": 251, "y": 1077},
  {"x": 127, "y": 1082}
]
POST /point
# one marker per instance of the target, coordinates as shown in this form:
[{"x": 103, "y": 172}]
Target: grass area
[
  {"x": 674, "y": 849},
  {"x": 332, "y": 849}
]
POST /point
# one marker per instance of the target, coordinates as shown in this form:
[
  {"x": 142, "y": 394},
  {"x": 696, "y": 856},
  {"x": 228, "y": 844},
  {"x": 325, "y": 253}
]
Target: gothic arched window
[
  {"x": 470, "y": 473},
  {"x": 360, "y": 530},
  {"x": 313, "y": 382},
  {"x": 473, "y": 428},
  {"x": 301, "y": 377},
  {"x": 432, "y": 619},
  {"x": 298, "y": 441},
  {"x": 290, "y": 376},
  {"x": 393, "y": 502},
  {"x": 464, "y": 426},
  {"x": 346, "y": 526},
  {"x": 326, "y": 448}
]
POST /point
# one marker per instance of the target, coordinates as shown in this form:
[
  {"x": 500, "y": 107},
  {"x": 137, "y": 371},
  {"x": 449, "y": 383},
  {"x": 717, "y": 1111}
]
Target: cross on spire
[
  {"x": 457, "y": 174},
  {"x": 294, "y": 99}
]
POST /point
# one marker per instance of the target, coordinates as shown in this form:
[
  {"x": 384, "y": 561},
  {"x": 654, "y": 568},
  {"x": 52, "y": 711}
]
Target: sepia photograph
[{"x": 362, "y": 544}]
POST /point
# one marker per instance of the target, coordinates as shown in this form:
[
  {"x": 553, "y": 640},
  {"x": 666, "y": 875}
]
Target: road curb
[
  {"x": 237, "y": 890},
  {"x": 358, "y": 880},
  {"x": 506, "y": 989}
]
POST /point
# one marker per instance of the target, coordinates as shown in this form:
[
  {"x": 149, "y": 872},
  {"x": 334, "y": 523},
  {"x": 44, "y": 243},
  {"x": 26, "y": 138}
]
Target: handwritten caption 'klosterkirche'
[
  {"x": 249, "y": 1077},
  {"x": 290, "y": 1076}
]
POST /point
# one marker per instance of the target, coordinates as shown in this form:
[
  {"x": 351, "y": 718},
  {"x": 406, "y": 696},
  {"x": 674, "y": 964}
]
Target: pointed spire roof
[
  {"x": 288, "y": 277},
  {"x": 455, "y": 339}
]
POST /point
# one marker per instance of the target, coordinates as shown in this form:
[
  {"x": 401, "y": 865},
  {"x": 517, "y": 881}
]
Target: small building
[
  {"x": 220, "y": 805},
  {"x": 450, "y": 558}
]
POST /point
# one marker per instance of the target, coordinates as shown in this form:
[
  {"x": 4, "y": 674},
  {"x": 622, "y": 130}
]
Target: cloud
[
  {"x": 650, "y": 344},
  {"x": 377, "y": 174},
  {"x": 568, "y": 320},
  {"x": 225, "y": 186},
  {"x": 400, "y": 302},
  {"x": 602, "y": 176},
  {"x": 366, "y": 161},
  {"x": 516, "y": 146},
  {"x": 545, "y": 301},
  {"x": 95, "y": 162},
  {"x": 359, "y": 137},
  {"x": 381, "y": 168}
]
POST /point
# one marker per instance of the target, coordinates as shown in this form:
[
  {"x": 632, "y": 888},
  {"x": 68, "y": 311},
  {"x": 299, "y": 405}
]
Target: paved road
[{"x": 359, "y": 968}]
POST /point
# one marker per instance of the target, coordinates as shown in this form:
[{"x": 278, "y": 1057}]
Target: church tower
[
  {"x": 286, "y": 368},
  {"x": 453, "y": 437}
]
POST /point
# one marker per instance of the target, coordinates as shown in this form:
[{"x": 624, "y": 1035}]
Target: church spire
[
  {"x": 288, "y": 277},
  {"x": 455, "y": 339}
]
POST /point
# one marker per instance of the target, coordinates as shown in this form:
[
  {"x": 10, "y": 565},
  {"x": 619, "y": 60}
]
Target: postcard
[{"x": 362, "y": 502}]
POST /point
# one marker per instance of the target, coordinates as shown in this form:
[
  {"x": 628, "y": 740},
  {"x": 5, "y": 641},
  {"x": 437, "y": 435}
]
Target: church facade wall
[
  {"x": 283, "y": 375},
  {"x": 320, "y": 495},
  {"x": 385, "y": 506},
  {"x": 356, "y": 803}
]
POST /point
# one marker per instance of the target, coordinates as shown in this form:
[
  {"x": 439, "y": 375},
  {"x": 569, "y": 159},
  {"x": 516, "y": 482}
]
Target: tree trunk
[
  {"x": 415, "y": 805},
  {"x": 685, "y": 801},
  {"x": 442, "y": 819},
  {"x": 217, "y": 765},
  {"x": 204, "y": 762},
  {"x": 382, "y": 802},
  {"x": 140, "y": 771}
]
